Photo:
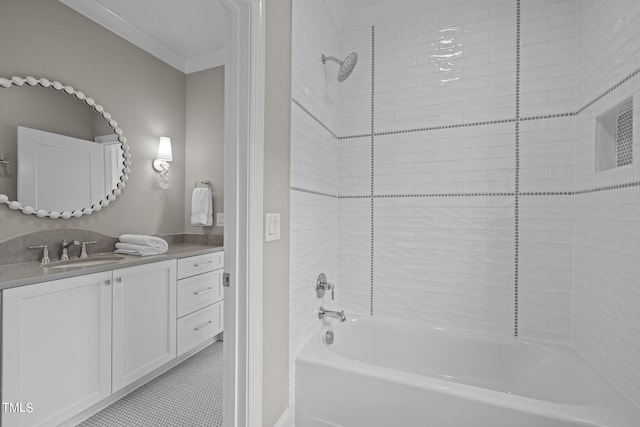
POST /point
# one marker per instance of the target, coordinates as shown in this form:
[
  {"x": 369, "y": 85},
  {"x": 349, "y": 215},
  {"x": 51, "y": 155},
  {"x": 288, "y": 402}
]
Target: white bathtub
[{"x": 385, "y": 373}]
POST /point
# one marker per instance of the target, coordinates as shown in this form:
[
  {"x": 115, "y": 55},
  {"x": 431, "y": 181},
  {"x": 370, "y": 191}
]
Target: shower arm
[{"x": 336, "y": 60}]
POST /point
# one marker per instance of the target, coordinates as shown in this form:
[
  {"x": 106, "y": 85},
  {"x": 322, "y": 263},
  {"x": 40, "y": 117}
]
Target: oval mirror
[{"x": 61, "y": 154}]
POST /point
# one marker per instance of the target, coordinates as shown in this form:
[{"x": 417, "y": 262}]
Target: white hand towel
[
  {"x": 133, "y": 249},
  {"x": 149, "y": 241},
  {"x": 201, "y": 207}
]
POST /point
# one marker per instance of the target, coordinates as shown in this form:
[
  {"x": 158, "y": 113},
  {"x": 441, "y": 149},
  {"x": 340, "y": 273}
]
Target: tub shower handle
[{"x": 323, "y": 286}]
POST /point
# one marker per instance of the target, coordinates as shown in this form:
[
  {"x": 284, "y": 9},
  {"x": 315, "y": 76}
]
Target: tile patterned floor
[{"x": 188, "y": 395}]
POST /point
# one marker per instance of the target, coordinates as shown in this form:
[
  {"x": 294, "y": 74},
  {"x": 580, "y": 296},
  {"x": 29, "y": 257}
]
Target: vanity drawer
[
  {"x": 200, "y": 264},
  {"x": 198, "y": 327},
  {"x": 199, "y": 291}
]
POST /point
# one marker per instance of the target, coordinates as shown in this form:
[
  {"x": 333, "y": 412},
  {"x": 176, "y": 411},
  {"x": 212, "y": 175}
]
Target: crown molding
[{"x": 115, "y": 23}]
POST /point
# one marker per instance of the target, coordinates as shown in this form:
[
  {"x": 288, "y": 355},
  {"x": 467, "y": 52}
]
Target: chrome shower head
[{"x": 346, "y": 66}]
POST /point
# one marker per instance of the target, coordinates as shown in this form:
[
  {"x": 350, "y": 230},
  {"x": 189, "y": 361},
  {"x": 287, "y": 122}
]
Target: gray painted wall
[
  {"x": 204, "y": 153},
  {"x": 277, "y": 154},
  {"x": 44, "y": 38}
]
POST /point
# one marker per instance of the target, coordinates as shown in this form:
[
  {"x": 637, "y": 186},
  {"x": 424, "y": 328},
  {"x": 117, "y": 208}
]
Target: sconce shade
[{"x": 164, "y": 149}]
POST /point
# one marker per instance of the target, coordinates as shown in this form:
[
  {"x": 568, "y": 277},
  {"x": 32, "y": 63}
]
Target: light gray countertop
[{"x": 28, "y": 273}]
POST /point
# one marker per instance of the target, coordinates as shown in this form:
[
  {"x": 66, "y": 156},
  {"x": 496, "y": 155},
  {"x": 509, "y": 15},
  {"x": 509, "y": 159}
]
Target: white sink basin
[{"x": 83, "y": 262}]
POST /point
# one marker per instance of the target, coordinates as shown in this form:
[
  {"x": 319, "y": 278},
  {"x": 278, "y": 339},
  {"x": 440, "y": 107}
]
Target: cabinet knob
[
  {"x": 119, "y": 279},
  {"x": 107, "y": 282}
]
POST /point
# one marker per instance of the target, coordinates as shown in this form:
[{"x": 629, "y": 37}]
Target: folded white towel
[
  {"x": 141, "y": 250},
  {"x": 142, "y": 240},
  {"x": 201, "y": 207}
]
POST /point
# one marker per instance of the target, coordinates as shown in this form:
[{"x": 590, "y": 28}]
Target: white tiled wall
[
  {"x": 606, "y": 324},
  {"x": 354, "y": 256},
  {"x": 606, "y": 294},
  {"x": 451, "y": 260},
  {"x": 314, "y": 159},
  {"x": 547, "y": 155},
  {"x": 354, "y": 166},
  {"x": 467, "y": 159},
  {"x": 314, "y": 168},
  {"x": 452, "y": 64},
  {"x": 547, "y": 57},
  {"x": 435, "y": 210},
  {"x": 445, "y": 260},
  {"x": 314, "y": 85},
  {"x": 354, "y": 105},
  {"x": 545, "y": 267},
  {"x": 608, "y": 45}
]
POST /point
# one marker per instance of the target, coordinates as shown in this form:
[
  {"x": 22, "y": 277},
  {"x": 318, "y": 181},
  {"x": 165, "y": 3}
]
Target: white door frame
[{"x": 243, "y": 202}]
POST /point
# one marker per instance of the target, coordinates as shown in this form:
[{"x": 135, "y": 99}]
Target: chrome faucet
[
  {"x": 83, "y": 251},
  {"x": 45, "y": 254},
  {"x": 322, "y": 313},
  {"x": 65, "y": 249}
]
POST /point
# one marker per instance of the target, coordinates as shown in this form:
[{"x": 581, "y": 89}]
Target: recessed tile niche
[{"x": 614, "y": 133}]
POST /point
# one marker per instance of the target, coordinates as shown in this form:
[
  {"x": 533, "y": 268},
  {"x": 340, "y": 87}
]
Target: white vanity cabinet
[
  {"x": 200, "y": 299},
  {"x": 56, "y": 349},
  {"x": 144, "y": 313},
  {"x": 70, "y": 345}
]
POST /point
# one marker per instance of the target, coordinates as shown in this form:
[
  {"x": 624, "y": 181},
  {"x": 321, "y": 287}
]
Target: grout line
[
  {"x": 362, "y": 196},
  {"x": 608, "y": 188},
  {"x": 318, "y": 193},
  {"x": 443, "y": 195},
  {"x": 362, "y": 135},
  {"x": 516, "y": 313},
  {"x": 546, "y": 193},
  {"x": 441, "y": 127},
  {"x": 611, "y": 187},
  {"x": 547, "y": 116},
  {"x": 373, "y": 115},
  {"x": 609, "y": 90},
  {"x": 295, "y": 101}
]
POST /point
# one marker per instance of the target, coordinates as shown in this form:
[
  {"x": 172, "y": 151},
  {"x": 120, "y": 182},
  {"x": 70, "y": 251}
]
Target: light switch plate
[
  {"x": 272, "y": 227},
  {"x": 220, "y": 219}
]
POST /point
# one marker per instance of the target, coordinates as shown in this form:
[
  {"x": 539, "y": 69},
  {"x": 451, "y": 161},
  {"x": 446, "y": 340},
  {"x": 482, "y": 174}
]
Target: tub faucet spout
[{"x": 322, "y": 313}]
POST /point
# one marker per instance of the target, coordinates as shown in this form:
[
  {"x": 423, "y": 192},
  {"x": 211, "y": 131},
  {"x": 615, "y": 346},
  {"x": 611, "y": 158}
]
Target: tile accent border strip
[
  {"x": 608, "y": 188},
  {"x": 470, "y": 124},
  {"x": 317, "y": 193},
  {"x": 373, "y": 133},
  {"x": 611, "y": 187},
  {"x": 441, "y": 195},
  {"x": 517, "y": 175},
  {"x": 608, "y": 91},
  {"x": 314, "y": 117}
]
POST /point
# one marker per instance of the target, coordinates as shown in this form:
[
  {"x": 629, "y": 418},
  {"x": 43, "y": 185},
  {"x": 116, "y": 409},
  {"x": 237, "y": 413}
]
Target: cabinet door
[
  {"x": 144, "y": 320},
  {"x": 56, "y": 349}
]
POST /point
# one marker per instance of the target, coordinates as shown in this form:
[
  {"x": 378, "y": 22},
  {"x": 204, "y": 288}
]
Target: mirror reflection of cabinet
[{"x": 58, "y": 172}]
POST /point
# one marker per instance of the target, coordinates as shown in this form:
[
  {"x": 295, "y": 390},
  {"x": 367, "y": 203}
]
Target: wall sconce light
[{"x": 161, "y": 164}]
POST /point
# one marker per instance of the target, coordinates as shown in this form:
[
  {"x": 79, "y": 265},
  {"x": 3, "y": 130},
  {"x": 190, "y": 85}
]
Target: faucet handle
[
  {"x": 322, "y": 286},
  {"x": 45, "y": 253},
  {"x": 83, "y": 251}
]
